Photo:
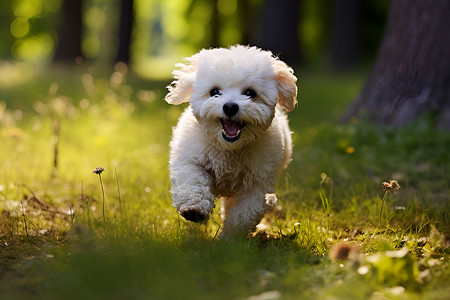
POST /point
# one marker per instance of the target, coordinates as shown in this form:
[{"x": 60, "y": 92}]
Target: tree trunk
[
  {"x": 247, "y": 18},
  {"x": 125, "y": 30},
  {"x": 412, "y": 71},
  {"x": 280, "y": 29},
  {"x": 70, "y": 32},
  {"x": 344, "y": 48},
  {"x": 215, "y": 25}
]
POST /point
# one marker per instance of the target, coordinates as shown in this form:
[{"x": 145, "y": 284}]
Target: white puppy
[{"x": 233, "y": 141}]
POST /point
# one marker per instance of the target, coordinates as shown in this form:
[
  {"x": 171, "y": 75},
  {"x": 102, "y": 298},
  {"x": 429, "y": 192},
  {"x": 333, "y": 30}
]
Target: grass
[{"x": 66, "y": 234}]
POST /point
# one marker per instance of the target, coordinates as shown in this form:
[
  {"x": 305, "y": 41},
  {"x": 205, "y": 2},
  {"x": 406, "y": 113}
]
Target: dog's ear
[
  {"x": 180, "y": 88},
  {"x": 287, "y": 89}
]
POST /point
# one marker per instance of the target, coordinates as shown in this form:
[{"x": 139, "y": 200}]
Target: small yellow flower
[{"x": 350, "y": 150}]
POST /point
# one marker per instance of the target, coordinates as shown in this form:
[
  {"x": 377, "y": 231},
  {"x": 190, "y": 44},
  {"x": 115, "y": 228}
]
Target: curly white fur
[{"x": 236, "y": 155}]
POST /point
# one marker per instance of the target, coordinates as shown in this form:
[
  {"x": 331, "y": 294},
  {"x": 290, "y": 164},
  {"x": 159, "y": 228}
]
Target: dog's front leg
[
  {"x": 245, "y": 215},
  {"x": 191, "y": 193}
]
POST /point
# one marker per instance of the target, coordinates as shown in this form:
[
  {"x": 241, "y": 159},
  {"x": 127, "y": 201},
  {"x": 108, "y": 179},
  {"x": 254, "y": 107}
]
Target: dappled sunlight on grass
[
  {"x": 157, "y": 68},
  {"x": 55, "y": 237},
  {"x": 14, "y": 73}
]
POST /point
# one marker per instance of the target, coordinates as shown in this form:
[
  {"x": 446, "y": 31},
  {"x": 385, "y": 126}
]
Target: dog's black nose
[{"x": 230, "y": 109}]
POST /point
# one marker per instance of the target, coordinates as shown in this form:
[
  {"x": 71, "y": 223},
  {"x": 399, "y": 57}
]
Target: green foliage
[
  {"x": 165, "y": 31},
  {"x": 30, "y": 37},
  {"x": 396, "y": 268}
]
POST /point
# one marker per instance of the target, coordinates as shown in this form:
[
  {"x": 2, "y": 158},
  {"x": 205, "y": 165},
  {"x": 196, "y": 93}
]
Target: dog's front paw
[
  {"x": 194, "y": 203},
  {"x": 194, "y": 215}
]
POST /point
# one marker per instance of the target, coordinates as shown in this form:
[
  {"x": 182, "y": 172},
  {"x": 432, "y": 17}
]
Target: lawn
[{"x": 336, "y": 233}]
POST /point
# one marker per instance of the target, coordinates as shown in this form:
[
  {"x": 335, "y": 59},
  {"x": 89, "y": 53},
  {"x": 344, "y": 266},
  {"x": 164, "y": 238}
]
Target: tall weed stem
[
  {"x": 103, "y": 198},
  {"x": 391, "y": 186},
  {"x": 323, "y": 197},
  {"x": 99, "y": 171},
  {"x": 118, "y": 193},
  {"x": 382, "y": 204}
]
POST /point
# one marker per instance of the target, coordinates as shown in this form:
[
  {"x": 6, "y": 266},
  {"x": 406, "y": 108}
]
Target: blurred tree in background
[
  {"x": 153, "y": 34},
  {"x": 70, "y": 32},
  {"x": 344, "y": 33},
  {"x": 280, "y": 29},
  {"x": 125, "y": 30},
  {"x": 412, "y": 72}
]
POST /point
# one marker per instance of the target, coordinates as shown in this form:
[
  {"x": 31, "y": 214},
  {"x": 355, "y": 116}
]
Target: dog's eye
[
  {"x": 249, "y": 93},
  {"x": 214, "y": 92}
]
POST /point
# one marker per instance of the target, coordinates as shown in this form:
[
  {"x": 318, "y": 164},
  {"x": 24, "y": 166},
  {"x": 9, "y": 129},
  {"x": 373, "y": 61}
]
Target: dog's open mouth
[{"x": 231, "y": 130}]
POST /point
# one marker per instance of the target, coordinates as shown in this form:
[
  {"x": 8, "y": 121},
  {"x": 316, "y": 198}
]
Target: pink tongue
[{"x": 231, "y": 128}]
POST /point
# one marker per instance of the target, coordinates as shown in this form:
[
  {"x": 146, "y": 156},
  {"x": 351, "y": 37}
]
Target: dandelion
[
  {"x": 324, "y": 178},
  {"x": 391, "y": 186},
  {"x": 271, "y": 200},
  {"x": 99, "y": 171}
]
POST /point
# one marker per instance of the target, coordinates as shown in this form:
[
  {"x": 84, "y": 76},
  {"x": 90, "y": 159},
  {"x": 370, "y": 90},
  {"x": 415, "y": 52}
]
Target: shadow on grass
[{"x": 141, "y": 267}]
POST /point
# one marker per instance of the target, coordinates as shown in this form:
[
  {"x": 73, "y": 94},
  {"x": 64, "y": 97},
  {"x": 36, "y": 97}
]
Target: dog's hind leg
[{"x": 245, "y": 215}]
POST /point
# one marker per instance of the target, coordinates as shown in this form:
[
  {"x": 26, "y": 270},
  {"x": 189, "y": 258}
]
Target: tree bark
[
  {"x": 70, "y": 31},
  {"x": 247, "y": 17},
  {"x": 280, "y": 29},
  {"x": 125, "y": 30},
  {"x": 344, "y": 48},
  {"x": 412, "y": 71},
  {"x": 215, "y": 25}
]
